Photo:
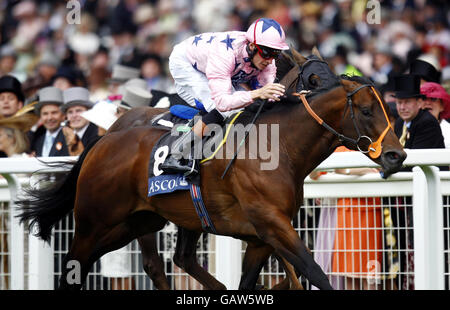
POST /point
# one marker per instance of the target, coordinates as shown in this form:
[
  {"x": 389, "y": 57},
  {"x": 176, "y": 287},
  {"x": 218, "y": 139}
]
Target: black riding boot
[
  {"x": 180, "y": 160},
  {"x": 188, "y": 164}
]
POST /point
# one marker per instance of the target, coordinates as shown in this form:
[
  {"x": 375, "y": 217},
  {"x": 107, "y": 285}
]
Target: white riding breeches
[{"x": 190, "y": 83}]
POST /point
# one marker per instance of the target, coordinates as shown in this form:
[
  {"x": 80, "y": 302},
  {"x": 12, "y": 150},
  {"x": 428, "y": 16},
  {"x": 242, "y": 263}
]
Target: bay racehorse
[
  {"x": 288, "y": 73},
  {"x": 112, "y": 208},
  {"x": 185, "y": 254},
  {"x": 289, "y": 69},
  {"x": 291, "y": 73}
]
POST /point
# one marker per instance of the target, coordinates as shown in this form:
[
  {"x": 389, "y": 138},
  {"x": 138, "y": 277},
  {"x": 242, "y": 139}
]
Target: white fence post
[
  {"x": 436, "y": 228},
  {"x": 420, "y": 223},
  {"x": 428, "y": 229},
  {"x": 228, "y": 261},
  {"x": 16, "y": 236},
  {"x": 40, "y": 264}
]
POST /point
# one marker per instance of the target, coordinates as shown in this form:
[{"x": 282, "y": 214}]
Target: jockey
[{"x": 223, "y": 72}]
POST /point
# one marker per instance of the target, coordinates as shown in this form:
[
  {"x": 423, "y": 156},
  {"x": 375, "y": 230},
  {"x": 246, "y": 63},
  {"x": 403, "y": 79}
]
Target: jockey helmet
[{"x": 267, "y": 32}]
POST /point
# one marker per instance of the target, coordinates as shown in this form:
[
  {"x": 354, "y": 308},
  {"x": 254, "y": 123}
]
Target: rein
[
  {"x": 295, "y": 81},
  {"x": 374, "y": 148}
]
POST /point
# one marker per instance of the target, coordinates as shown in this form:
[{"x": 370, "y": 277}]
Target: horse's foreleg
[
  {"x": 185, "y": 257},
  {"x": 291, "y": 282},
  {"x": 283, "y": 237},
  {"x": 152, "y": 262},
  {"x": 255, "y": 256}
]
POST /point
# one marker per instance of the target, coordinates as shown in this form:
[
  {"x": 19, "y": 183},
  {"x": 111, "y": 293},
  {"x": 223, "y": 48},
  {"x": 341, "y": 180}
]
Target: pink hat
[
  {"x": 267, "y": 32},
  {"x": 435, "y": 90}
]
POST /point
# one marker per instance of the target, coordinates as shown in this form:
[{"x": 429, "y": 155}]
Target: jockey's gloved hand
[{"x": 271, "y": 91}]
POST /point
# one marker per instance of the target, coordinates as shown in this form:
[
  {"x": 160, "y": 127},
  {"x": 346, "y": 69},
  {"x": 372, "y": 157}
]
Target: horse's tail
[{"x": 50, "y": 204}]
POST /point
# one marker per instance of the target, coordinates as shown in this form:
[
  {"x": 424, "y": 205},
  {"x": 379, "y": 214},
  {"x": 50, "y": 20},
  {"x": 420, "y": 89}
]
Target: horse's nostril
[{"x": 395, "y": 157}]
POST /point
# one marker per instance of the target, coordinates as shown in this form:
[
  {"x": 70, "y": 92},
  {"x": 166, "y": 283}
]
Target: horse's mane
[
  {"x": 356, "y": 78},
  {"x": 285, "y": 105},
  {"x": 284, "y": 65},
  {"x": 291, "y": 101}
]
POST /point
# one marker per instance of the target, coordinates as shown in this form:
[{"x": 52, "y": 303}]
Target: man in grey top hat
[
  {"x": 48, "y": 66},
  {"x": 133, "y": 96},
  {"x": 48, "y": 140},
  {"x": 382, "y": 64},
  {"x": 120, "y": 75},
  {"x": 8, "y": 59},
  {"x": 79, "y": 132}
]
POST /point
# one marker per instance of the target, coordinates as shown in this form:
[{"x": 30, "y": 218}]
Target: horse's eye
[
  {"x": 314, "y": 81},
  {"x": 366, "y": 112}
]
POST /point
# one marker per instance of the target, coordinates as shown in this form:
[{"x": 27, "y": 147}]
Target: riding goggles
[{"x": 267, "y": 52}]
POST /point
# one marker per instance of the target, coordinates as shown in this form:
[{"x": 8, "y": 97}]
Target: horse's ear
[
  {"x": 315, "y": 51},
  {"x": 298, "y": 58}
]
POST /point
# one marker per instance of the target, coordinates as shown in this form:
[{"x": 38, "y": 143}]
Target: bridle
[
  {"x": 374, "y": 149},
  {"x": 303, "y": 67},
  {"x": 298, "y": 81}
]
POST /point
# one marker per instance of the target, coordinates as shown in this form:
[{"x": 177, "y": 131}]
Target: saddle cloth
[{"x": 158, "y": 181}]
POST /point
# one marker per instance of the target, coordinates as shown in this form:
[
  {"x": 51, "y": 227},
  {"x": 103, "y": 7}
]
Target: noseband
[{"x": 374, "y": 148}]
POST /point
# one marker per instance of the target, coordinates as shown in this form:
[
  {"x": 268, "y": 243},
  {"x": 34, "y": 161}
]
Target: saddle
[
  {"x": 178, "y": 120},
  {"x": 177, "y": 115}
]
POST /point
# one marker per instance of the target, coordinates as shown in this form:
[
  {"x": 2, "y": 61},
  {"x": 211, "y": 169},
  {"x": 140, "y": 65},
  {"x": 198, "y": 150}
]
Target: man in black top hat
[
  {"x": 416, "y": 128},
  {"x": 426, "y": 71},
  {"x": 11, "y": 96}
]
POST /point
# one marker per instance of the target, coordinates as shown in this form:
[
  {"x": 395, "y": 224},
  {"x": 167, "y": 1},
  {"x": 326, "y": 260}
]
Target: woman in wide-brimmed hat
[
  {"x": 437, "y": 102},
  {"x": 13, "y": 138}
]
